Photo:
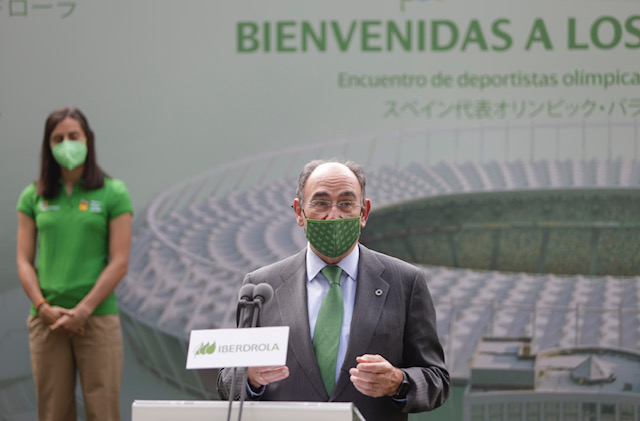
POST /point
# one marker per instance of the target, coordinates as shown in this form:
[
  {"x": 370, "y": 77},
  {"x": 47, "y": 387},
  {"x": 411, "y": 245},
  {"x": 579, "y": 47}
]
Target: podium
[{"x": 251, "y": 411}]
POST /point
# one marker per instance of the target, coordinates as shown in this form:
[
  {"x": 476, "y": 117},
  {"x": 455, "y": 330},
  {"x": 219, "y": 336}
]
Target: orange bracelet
[{"x": 42, "y": 301}]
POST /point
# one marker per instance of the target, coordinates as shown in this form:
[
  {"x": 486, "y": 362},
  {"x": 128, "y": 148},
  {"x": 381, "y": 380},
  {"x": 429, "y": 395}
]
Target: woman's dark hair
[{"x": 93, "y": 176}]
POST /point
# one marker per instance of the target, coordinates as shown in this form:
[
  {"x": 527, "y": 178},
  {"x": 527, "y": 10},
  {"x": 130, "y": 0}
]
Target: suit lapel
[
  {"x": 371, "y": 296},
  {"x": 291, "y": 299}
]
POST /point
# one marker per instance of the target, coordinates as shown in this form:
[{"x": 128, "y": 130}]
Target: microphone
[
  {"x": 263, "y": 293},
  {"x": 246, "y": 292},
  {"x": 245, "y": 297}
]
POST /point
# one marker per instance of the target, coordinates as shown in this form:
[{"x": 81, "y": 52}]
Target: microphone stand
[
  {"x": 260, "y": 294},
  {"x": 257, "y": 306},
  {"x": 243, "y": 306}
]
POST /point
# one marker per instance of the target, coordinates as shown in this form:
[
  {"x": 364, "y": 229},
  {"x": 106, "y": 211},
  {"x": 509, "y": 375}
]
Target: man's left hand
[{"x": 376, "y": 377}]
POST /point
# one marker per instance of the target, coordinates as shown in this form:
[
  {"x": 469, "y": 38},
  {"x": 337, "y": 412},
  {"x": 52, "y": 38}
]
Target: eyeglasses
[{"x": 324, "y": 206}]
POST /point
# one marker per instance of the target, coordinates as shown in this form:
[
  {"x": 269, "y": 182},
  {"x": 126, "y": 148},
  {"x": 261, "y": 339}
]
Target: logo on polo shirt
[
  {"x": 94, "y": 206},
  {"x": 45, "y": 206}
]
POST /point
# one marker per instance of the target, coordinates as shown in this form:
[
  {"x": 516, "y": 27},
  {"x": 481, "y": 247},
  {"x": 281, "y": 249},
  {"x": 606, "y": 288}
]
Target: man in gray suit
[{"x": 378, "y": 347}]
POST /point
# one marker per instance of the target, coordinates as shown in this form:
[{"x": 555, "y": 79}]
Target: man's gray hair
[{"x": 311, "y": 166}]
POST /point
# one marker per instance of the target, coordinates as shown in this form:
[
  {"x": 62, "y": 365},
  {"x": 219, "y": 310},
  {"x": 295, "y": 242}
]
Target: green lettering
[
  {"x": 595, "y": 33},
  {"x": 539, "y": 34},
  {"x": 394, "y": 32},
  {"x": 245, "y": 37},
  {"x": 343, "y": 43},
  {"x": 267, "y": 36},
  {"x": 633, "y": 30},
  {"x": 421, "y": 35},
  {"x": 367, "y": 35},
  {"x": 573, "y": 45},
  {"x": 594, "y": 79},
  {"x": 435, "y": 35},
  {"x": 341, "y": 80},
  {"x": 474, "y": 34},
  {"x": 319, "y": 40},
  {"x": 281, "y": 36},
  {"x": 495, "y": 28}
]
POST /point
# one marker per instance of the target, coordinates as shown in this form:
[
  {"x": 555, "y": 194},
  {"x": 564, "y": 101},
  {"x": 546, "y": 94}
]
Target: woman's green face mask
[{"x": 70, "y": 153}]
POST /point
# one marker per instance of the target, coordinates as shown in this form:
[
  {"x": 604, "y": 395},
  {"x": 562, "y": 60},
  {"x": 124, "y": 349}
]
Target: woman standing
[{"x": 79, "y": 220}]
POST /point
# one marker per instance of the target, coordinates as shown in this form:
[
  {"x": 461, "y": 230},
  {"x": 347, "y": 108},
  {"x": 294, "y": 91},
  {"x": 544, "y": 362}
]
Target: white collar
[{"x": 349, "y": 264}]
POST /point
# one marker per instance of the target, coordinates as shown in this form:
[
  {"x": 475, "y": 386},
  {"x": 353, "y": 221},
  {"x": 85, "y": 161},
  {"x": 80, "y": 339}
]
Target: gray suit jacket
[{"x": 393, "y": 316}]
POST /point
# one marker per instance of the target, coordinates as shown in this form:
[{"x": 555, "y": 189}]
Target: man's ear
[
  {"x": 364, "y": 215},
  {"x": 297, "y": 208}
]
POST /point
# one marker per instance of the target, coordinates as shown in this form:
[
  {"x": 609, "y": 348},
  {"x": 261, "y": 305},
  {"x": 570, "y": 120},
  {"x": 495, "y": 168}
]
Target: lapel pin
[{"x": 378, "y": 292}]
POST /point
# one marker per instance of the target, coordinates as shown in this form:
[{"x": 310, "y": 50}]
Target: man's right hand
[{"x": 262, "y": 376}]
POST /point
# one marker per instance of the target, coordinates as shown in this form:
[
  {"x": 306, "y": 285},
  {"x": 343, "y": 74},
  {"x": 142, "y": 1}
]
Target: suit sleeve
[{"x": 423, "y": 355}]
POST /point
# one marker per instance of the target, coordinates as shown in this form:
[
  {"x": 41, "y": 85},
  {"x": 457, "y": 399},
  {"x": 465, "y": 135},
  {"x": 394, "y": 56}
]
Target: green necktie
[{"x": 326, "y": 336}]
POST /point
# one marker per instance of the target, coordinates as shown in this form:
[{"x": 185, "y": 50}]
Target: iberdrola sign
[
  {"x": 218, "y": 348},
  {"x": 209, "y": 348}
]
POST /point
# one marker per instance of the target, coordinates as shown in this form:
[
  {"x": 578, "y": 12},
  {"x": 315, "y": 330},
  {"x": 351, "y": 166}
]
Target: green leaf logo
[{"x": 207, "y": 348}]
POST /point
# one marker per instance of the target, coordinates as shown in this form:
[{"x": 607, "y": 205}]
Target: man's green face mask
[{"x": 333, "y": 237}]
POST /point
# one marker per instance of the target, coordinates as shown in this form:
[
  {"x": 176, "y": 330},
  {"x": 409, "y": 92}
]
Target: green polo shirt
[{"x": 73, "y": 239}]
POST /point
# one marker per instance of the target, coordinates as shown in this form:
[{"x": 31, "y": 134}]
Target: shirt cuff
[{"x": 255, "y": 394}]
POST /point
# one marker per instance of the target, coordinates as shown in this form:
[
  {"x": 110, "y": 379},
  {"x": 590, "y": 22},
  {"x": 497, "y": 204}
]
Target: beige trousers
[{"x": 97, "y": 357}]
